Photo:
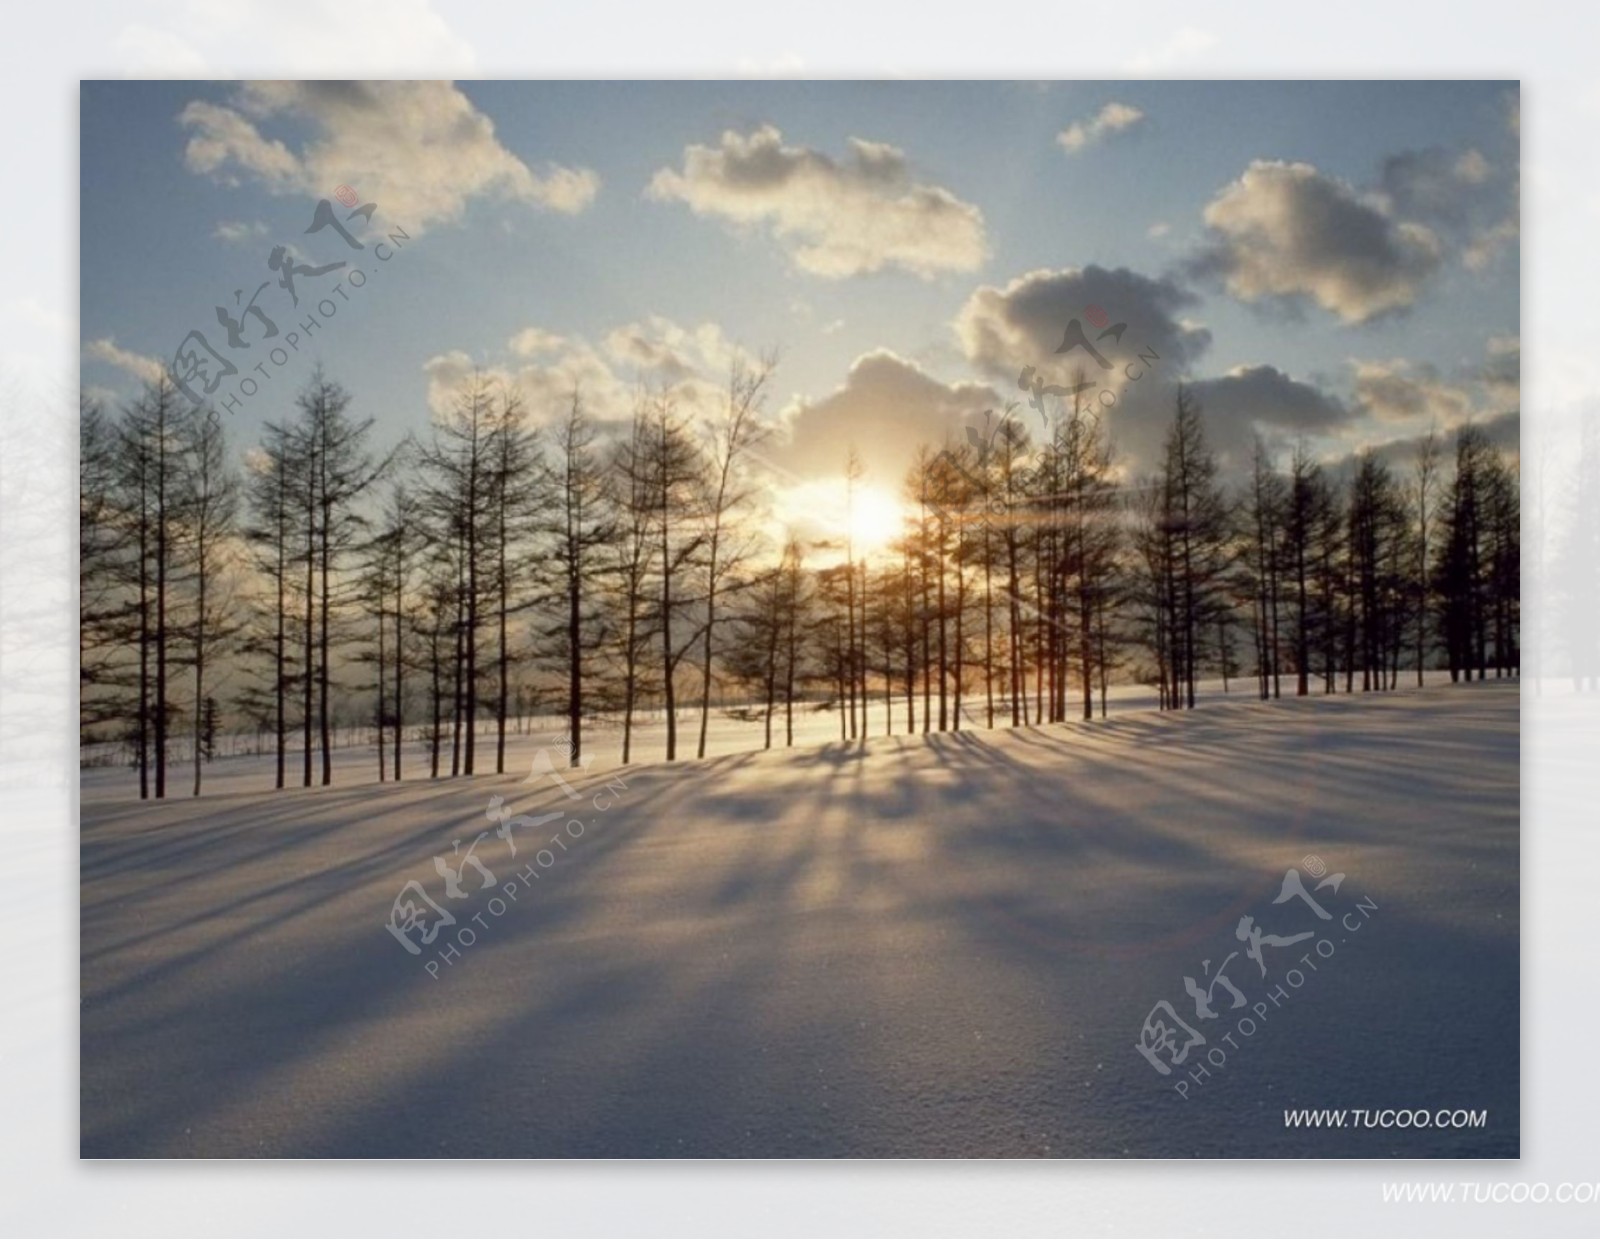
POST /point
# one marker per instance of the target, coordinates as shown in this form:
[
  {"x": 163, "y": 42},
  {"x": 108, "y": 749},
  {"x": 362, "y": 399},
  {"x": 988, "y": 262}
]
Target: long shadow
[{"x": 765, "y": 955}]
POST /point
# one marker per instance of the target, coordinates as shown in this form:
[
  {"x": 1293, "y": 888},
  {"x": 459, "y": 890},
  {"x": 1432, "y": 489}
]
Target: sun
[
  {"x": 827, "y": 514},
  {"x": 876, "y": 520}
]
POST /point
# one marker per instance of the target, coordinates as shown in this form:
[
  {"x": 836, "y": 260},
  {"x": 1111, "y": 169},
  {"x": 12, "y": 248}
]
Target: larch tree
[
  {"x": 458, "y": 464},
  {"x": 580, "y": 526},
  {"x": 629, "y": 567},
  {"x": 1198, "y": 521},
  {"x": 150, "y": 452},
  {"x": 272, "y": 516},
  {"x": 727, "y": 494},
  {"x": 210, "y": 503},
  {"x": 1424, "y": 475},
  {"x": 676, "y": 471}
]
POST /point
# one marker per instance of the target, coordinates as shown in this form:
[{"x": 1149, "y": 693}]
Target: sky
[{"x": 1333, "y": 263}]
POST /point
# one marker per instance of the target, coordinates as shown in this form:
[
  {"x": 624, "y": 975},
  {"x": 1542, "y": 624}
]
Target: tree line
[{"x": 439, "y": 591}]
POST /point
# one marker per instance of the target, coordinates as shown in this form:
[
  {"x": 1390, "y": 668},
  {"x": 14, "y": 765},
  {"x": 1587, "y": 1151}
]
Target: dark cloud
[
  {"x": 1004, "y": 329},
  {"x": 886, "y": 407},
  {"x": 1286, "y": 232},
  {"x": 1502, "y": 373},
  {"x": 1503, "y": 431},
  {"x": 1435, "y": 186},
  {"x": 1468, "y": 200},
  {"x": 1264, "y": 395},
  {"x": 1251, "y": 399},
  {"x": 1400, "y": 391}
]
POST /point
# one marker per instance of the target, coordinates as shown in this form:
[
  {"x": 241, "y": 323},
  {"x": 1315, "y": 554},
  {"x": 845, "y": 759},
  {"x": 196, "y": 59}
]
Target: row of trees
[
  {"x": 1039, "y": 572},
  {"x": 446, "y": 586},
  {"x": 158, "y": 500},
  {"x": 483, "y": 553}
]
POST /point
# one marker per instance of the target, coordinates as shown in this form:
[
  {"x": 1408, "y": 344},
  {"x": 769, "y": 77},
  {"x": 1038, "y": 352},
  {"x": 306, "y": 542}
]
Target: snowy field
[
  {"x": 732, "y": 730},
  {"x": 929, "y": 946}
]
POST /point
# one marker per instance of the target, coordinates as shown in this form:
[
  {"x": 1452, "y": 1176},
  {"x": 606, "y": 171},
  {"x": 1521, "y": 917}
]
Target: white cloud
[
  {"x": 1285, "y": 230},
  {"x": 531, "y": 341},
  {"x": 142, "y": 367},
  {"x": 1114, "y": 118},
  {"x": 239, "y": 230},
  {"x": 690, "y": 362},
  {"x": 419, "y": 150},
  {"x": 658, "y": 347},
  {"x": 835, "y": 218}
]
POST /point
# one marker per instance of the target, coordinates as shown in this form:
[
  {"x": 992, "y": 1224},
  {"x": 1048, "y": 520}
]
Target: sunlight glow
[
  {"x": 876, "y": 520},
  {"x": 823, "y": 515}
]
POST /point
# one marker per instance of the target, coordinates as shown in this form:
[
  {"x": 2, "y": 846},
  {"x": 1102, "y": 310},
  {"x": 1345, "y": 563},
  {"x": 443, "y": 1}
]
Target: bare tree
[
  {"x": 1198, "y": 521},
  {"x": 515, "y": 500},
  {"x": 210, "y": 501},
  {"x": 270, "y": 493},
  {"x": 459, "y": 467},
  {"x": 1265, "y": 513},
  {"x": 854, "y": 689},
  {"x": 727, "y": 544},
  {"x": 150, "y": 451},
  {"x": 1424, "y": 475},
  {"x": 630, "y": 565},
  {"x": 342, "y": 471},
  {"x": 582, "y": 525},
  {"x": 105, "y": 536},
  {"x": 392, "y": 554},
  {"x": 1308, "y": 499},
  {"x": 676, "y": 471}
]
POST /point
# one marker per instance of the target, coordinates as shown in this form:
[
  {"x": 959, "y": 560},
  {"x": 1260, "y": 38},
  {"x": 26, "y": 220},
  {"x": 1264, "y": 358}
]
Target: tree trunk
[
  {"x": 279, "y": 686},
  {"x": 382, "y": 686},
  {"x": 399, "y": 656},
  {"x": 161, "y": 609}
]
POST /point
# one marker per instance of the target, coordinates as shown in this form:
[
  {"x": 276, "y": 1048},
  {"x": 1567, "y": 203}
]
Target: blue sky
[{"x": 1358, "y": 239}]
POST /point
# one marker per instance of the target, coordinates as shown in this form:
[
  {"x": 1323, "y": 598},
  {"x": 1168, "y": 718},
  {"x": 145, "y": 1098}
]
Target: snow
[
  {"x": 733, "y": 729},
  {"x": 929, "y": 946}
]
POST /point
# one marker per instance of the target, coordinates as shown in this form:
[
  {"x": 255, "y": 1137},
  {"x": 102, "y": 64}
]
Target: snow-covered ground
[
  {"x": 735, "y": 729},
  {"x": 935, "y": 946},
  {"x": 730, "y": 731}
]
